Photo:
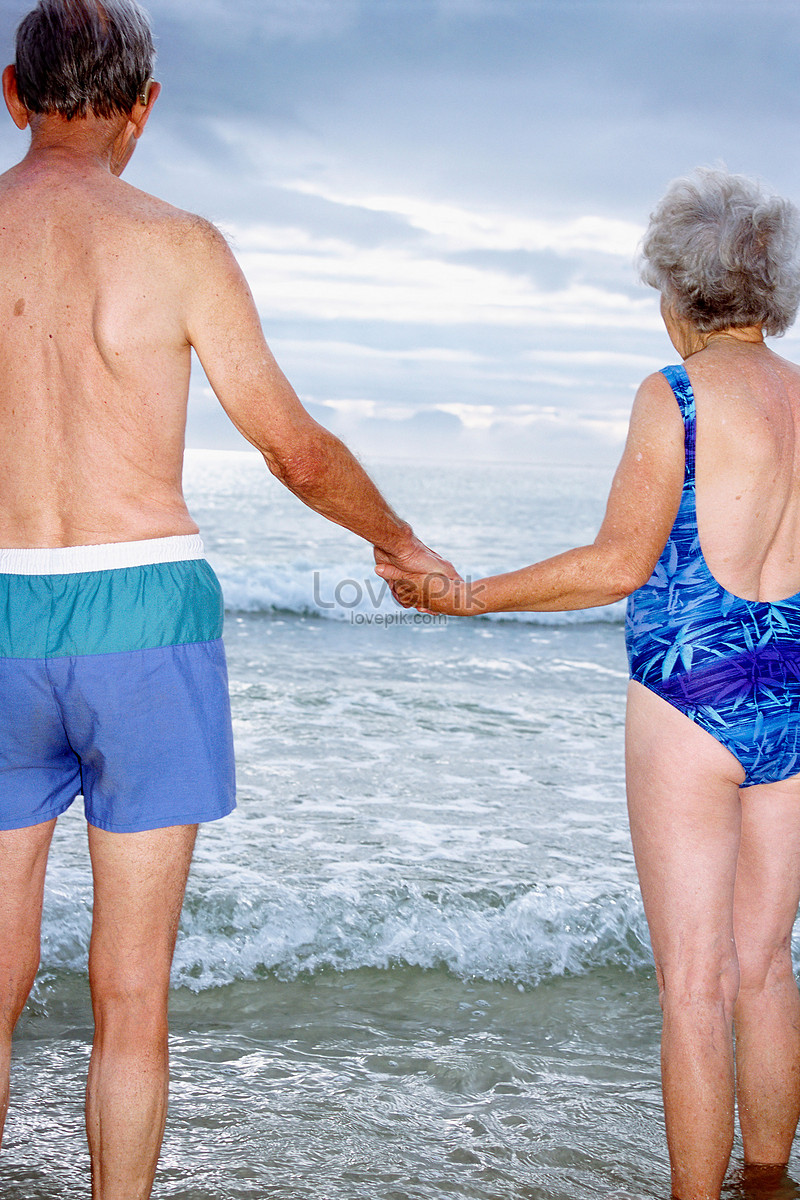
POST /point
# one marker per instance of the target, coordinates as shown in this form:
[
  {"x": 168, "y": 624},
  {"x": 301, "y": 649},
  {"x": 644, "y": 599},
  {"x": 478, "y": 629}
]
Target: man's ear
[
  {"x": 125, "y": 142},
  {"x": 19, "y": 113},
  {"x": 141, "y": 112}
]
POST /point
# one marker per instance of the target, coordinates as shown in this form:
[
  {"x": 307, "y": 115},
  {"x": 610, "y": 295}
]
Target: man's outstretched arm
[{"x": 224, "y": 328}]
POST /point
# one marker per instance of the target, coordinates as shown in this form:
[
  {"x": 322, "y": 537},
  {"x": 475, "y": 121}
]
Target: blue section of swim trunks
[{"x": 731, "y": 665}]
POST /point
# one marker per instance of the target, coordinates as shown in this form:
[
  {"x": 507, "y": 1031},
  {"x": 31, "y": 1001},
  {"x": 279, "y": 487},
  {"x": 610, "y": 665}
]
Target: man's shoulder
[
  {"x": 105, "y": 196},
  {"x": 169, "y": 238},
  {"x": 146, "y": 207}
]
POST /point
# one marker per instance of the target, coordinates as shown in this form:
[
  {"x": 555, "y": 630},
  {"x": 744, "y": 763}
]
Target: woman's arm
[{"x": 640, "y": 512}]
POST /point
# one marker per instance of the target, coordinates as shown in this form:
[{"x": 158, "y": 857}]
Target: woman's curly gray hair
[{"x": 723, "y": 253}]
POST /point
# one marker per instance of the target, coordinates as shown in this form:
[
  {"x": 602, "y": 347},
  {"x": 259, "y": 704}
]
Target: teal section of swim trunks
[{"x": 106, "y": 612}]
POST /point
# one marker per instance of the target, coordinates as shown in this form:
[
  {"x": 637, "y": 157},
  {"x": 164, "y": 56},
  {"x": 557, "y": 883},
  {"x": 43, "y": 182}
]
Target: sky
[{"x": 438, "y": 202}]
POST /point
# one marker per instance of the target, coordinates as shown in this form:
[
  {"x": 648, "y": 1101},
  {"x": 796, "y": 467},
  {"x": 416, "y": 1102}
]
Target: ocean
[{"x": 413, "y": 964}]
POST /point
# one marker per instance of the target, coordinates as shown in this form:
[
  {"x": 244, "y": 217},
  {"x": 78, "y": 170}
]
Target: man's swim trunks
[
  {"x": 731, "y": 665},
  {"x": 113, "y": 685}
]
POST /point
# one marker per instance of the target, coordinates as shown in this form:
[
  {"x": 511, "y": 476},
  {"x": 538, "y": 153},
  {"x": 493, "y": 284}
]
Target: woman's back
[{"x": 748, "y": 467}]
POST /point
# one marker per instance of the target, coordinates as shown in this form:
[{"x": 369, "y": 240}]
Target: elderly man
[{"x": 112, "y": 673}]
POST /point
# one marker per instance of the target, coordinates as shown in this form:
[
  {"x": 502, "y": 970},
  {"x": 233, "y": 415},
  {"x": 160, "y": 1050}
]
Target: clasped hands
[{"x": 423, "y": 580}]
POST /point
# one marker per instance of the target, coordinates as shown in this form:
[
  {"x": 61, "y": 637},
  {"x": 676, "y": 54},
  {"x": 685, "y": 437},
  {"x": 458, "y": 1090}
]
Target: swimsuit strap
[{"x": 678, "y": 380}]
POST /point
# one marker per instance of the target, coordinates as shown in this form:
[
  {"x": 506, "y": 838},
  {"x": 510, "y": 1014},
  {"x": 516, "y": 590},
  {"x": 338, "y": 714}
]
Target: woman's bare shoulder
[
  {"x": 743, "y": 370},
  {"x": 655, "y": 406}
]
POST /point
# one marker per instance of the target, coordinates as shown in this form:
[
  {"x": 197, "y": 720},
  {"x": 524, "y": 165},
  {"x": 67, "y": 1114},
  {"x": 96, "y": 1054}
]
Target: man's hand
[
  {"x": 433, "y": 586},
  {"x": 413, "y": 561},
  {"x": 415, "y": 558}
]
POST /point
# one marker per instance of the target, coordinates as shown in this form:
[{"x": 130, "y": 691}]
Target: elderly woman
[{"x": 702, "y": 531}]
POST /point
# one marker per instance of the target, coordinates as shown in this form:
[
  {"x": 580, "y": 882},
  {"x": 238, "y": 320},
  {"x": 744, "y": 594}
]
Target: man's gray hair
[
  {"x": 723, "y": 253},
  {"x": 81, "y": 56}
]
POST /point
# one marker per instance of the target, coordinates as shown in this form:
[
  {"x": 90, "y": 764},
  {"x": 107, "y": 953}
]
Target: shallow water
[
  {"x": 401, "y": 1083},
  {"x": 404, "y": 1084}
]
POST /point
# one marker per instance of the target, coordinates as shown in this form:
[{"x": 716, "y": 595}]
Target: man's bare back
[
  {"x": 106, "y": 290},
  {"x": 94, "y": 357}
]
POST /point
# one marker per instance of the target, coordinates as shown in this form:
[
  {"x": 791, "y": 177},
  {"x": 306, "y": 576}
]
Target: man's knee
[
  {"x": 135, "y": 1003},
  {"x": 16, "y": 981}
]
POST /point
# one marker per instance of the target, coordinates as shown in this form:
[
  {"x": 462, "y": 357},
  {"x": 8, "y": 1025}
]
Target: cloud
[
  {"x": 428, "y": 279},
  {"x": 435, "y": 434},
  {"x": 292, "y": 273},
  {"x": 456, "y": 228}
]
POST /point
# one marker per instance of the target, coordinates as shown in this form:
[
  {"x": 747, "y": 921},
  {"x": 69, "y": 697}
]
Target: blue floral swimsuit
[{"x": 731, "y": 665}]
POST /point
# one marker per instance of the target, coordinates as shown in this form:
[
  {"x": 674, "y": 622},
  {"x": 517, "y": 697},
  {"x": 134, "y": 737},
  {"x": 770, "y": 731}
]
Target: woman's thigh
[
  {"x": 767, "y": 878},
  {"x": 685, "y": 813}
]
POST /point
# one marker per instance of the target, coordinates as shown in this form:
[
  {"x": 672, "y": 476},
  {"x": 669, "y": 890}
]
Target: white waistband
[{"x": 69, "y": 560}]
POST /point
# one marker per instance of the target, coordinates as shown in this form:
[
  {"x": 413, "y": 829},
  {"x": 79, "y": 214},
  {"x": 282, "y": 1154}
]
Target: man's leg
[
  {"x": 684, "y": 804},
  {"x": 767, "y": 1014},
  {"x": 23, "y": 862},
  {"x": 139, "y": 882}
]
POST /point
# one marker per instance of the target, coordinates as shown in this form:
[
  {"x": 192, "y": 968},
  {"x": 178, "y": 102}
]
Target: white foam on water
[
  {"x": 242, "y": 927},
  {"x": 239, "y": 927}
]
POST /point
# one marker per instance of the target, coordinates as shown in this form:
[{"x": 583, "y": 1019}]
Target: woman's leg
[
  {"x": 767, "y": 1013},
  {"x": 685, "y": 812}
]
